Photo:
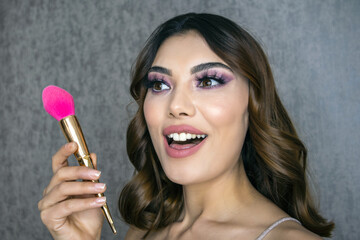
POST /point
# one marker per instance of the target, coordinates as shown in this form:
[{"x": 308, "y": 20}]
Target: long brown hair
[{"x": 274, "y": 157}]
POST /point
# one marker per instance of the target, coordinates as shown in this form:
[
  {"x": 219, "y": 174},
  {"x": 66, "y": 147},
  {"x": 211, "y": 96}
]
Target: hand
[{"x": 69, "y": 208}]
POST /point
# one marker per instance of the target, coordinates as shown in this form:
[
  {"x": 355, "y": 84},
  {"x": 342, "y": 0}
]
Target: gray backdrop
[{"x": 88, "y": 47}]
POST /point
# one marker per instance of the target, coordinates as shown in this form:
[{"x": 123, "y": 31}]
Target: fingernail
[
  {"x": 95, "y": 174},
  {"x": 100, "y": 186},
  {"x": 100, "y": 200},
  {"x": 70, "y": 146}
]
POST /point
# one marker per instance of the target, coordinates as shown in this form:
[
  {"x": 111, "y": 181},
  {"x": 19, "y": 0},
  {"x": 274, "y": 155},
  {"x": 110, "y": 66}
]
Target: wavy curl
[{"x": 274, "y": 157}]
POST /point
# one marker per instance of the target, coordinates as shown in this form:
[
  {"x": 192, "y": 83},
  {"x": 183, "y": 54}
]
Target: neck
[{"x": 217, "y": 198}]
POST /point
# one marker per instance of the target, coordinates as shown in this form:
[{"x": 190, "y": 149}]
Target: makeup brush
[{"x": 60, "y": 104}]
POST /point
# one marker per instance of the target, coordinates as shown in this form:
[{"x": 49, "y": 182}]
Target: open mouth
[
  {"x": 182, "y": 141},
  {"x": 188, "y": 140}
]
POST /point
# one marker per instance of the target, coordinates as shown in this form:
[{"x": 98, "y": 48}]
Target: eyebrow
[
  {"x": 160, "y": 70},
  {"x": 205, "y": 66},
  {"x": 195, "y": 69}
]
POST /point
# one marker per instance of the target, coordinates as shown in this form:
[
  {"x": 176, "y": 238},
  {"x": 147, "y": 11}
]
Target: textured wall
[{"x": 87, "y": 47}]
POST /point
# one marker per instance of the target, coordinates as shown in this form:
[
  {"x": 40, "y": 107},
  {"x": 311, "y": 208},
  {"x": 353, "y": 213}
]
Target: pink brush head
[{"x": 58, "y": 102}]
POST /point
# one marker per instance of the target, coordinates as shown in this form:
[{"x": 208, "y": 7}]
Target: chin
[
  {"x": 182, "y": 181},
  {"x": 185, "y": 175},
  {"x": 180, "y": 177}
]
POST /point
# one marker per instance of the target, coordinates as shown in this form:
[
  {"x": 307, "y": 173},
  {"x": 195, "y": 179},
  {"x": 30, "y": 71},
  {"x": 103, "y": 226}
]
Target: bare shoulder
[
  {"x": 291, "y": 230},
  {"x": 134, "y": 233}
]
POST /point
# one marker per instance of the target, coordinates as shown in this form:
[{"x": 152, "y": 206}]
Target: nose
[{"x": 181, "y": 104}]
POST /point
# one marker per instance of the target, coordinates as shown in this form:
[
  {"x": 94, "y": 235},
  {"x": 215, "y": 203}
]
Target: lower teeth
[{"x": 190, "y": 141}]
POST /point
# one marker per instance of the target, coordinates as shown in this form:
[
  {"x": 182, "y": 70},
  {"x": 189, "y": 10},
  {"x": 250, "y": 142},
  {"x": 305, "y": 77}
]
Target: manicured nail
[
  {"x": 100, "y": 200},
  {"x": 95, "y": 174},
  {"x": 100, "y": 186}
]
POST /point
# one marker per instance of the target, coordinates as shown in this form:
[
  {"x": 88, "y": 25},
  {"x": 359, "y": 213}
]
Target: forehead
[{"x": 185, "y": 50}]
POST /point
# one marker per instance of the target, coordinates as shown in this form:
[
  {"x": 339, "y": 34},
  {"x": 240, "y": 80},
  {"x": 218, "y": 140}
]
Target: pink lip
[
  {"x": 181, "y": 128},
  {"x": 186, "y": 150}
]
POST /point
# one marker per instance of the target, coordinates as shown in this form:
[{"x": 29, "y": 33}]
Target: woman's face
[{"x": 195, "y": 110}]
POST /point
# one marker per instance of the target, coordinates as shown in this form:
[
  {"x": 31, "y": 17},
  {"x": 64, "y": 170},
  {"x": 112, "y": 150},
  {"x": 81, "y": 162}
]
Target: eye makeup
[
  {"x": 220, "y": 77},
  {"x": 205, "y": 79},
  {"x": 156, "y": 82}
]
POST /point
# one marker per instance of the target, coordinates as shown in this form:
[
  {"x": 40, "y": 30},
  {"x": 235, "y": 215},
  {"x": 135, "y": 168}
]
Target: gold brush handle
[
  {"x": 73, "y": 133},
  {"x": 87, "y": 162}
]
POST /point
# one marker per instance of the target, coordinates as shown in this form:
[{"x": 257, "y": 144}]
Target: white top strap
[{"x": 274, "y": 225}]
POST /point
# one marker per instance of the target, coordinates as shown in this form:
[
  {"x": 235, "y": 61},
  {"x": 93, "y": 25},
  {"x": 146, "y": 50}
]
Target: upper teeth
[{"x": 184, "y": 136}]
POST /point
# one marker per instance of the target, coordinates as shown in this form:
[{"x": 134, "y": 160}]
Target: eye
[
  {"x": 158, "y": 86},
  {"x": 209, "y": 82}
]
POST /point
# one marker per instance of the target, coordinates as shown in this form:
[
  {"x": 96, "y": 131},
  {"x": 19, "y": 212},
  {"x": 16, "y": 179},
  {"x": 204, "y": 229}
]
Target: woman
[{"x": 215, "y": 152}]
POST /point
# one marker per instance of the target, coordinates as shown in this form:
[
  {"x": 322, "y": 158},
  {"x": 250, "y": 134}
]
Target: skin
[{"x": 220, "y": 202}]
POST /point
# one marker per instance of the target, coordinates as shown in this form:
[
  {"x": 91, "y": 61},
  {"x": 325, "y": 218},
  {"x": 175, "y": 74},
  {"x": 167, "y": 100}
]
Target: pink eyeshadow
[{"x": 216, "y": 73}]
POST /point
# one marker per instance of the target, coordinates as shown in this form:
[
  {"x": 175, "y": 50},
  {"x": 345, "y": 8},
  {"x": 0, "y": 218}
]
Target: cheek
[
  {"x": 149, "y": 111},
  {"x": 225, "y": 111},
  {"x": 227, "y": 116},
  {"x": 153, "y": 112}
]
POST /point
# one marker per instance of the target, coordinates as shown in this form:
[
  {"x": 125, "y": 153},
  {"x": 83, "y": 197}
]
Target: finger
[
  {"x": 59, "y": 160},
  {"x": 94, "y": 159},
  {"x": 67, "y": 189},
  {"x": 55, "y": 216},
  {"x": 71, "y": 174}
]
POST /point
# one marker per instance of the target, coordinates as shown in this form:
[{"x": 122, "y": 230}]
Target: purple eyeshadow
[
  {"x": 226, "y": 77},
  {"x": 153, "y": 76}
]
